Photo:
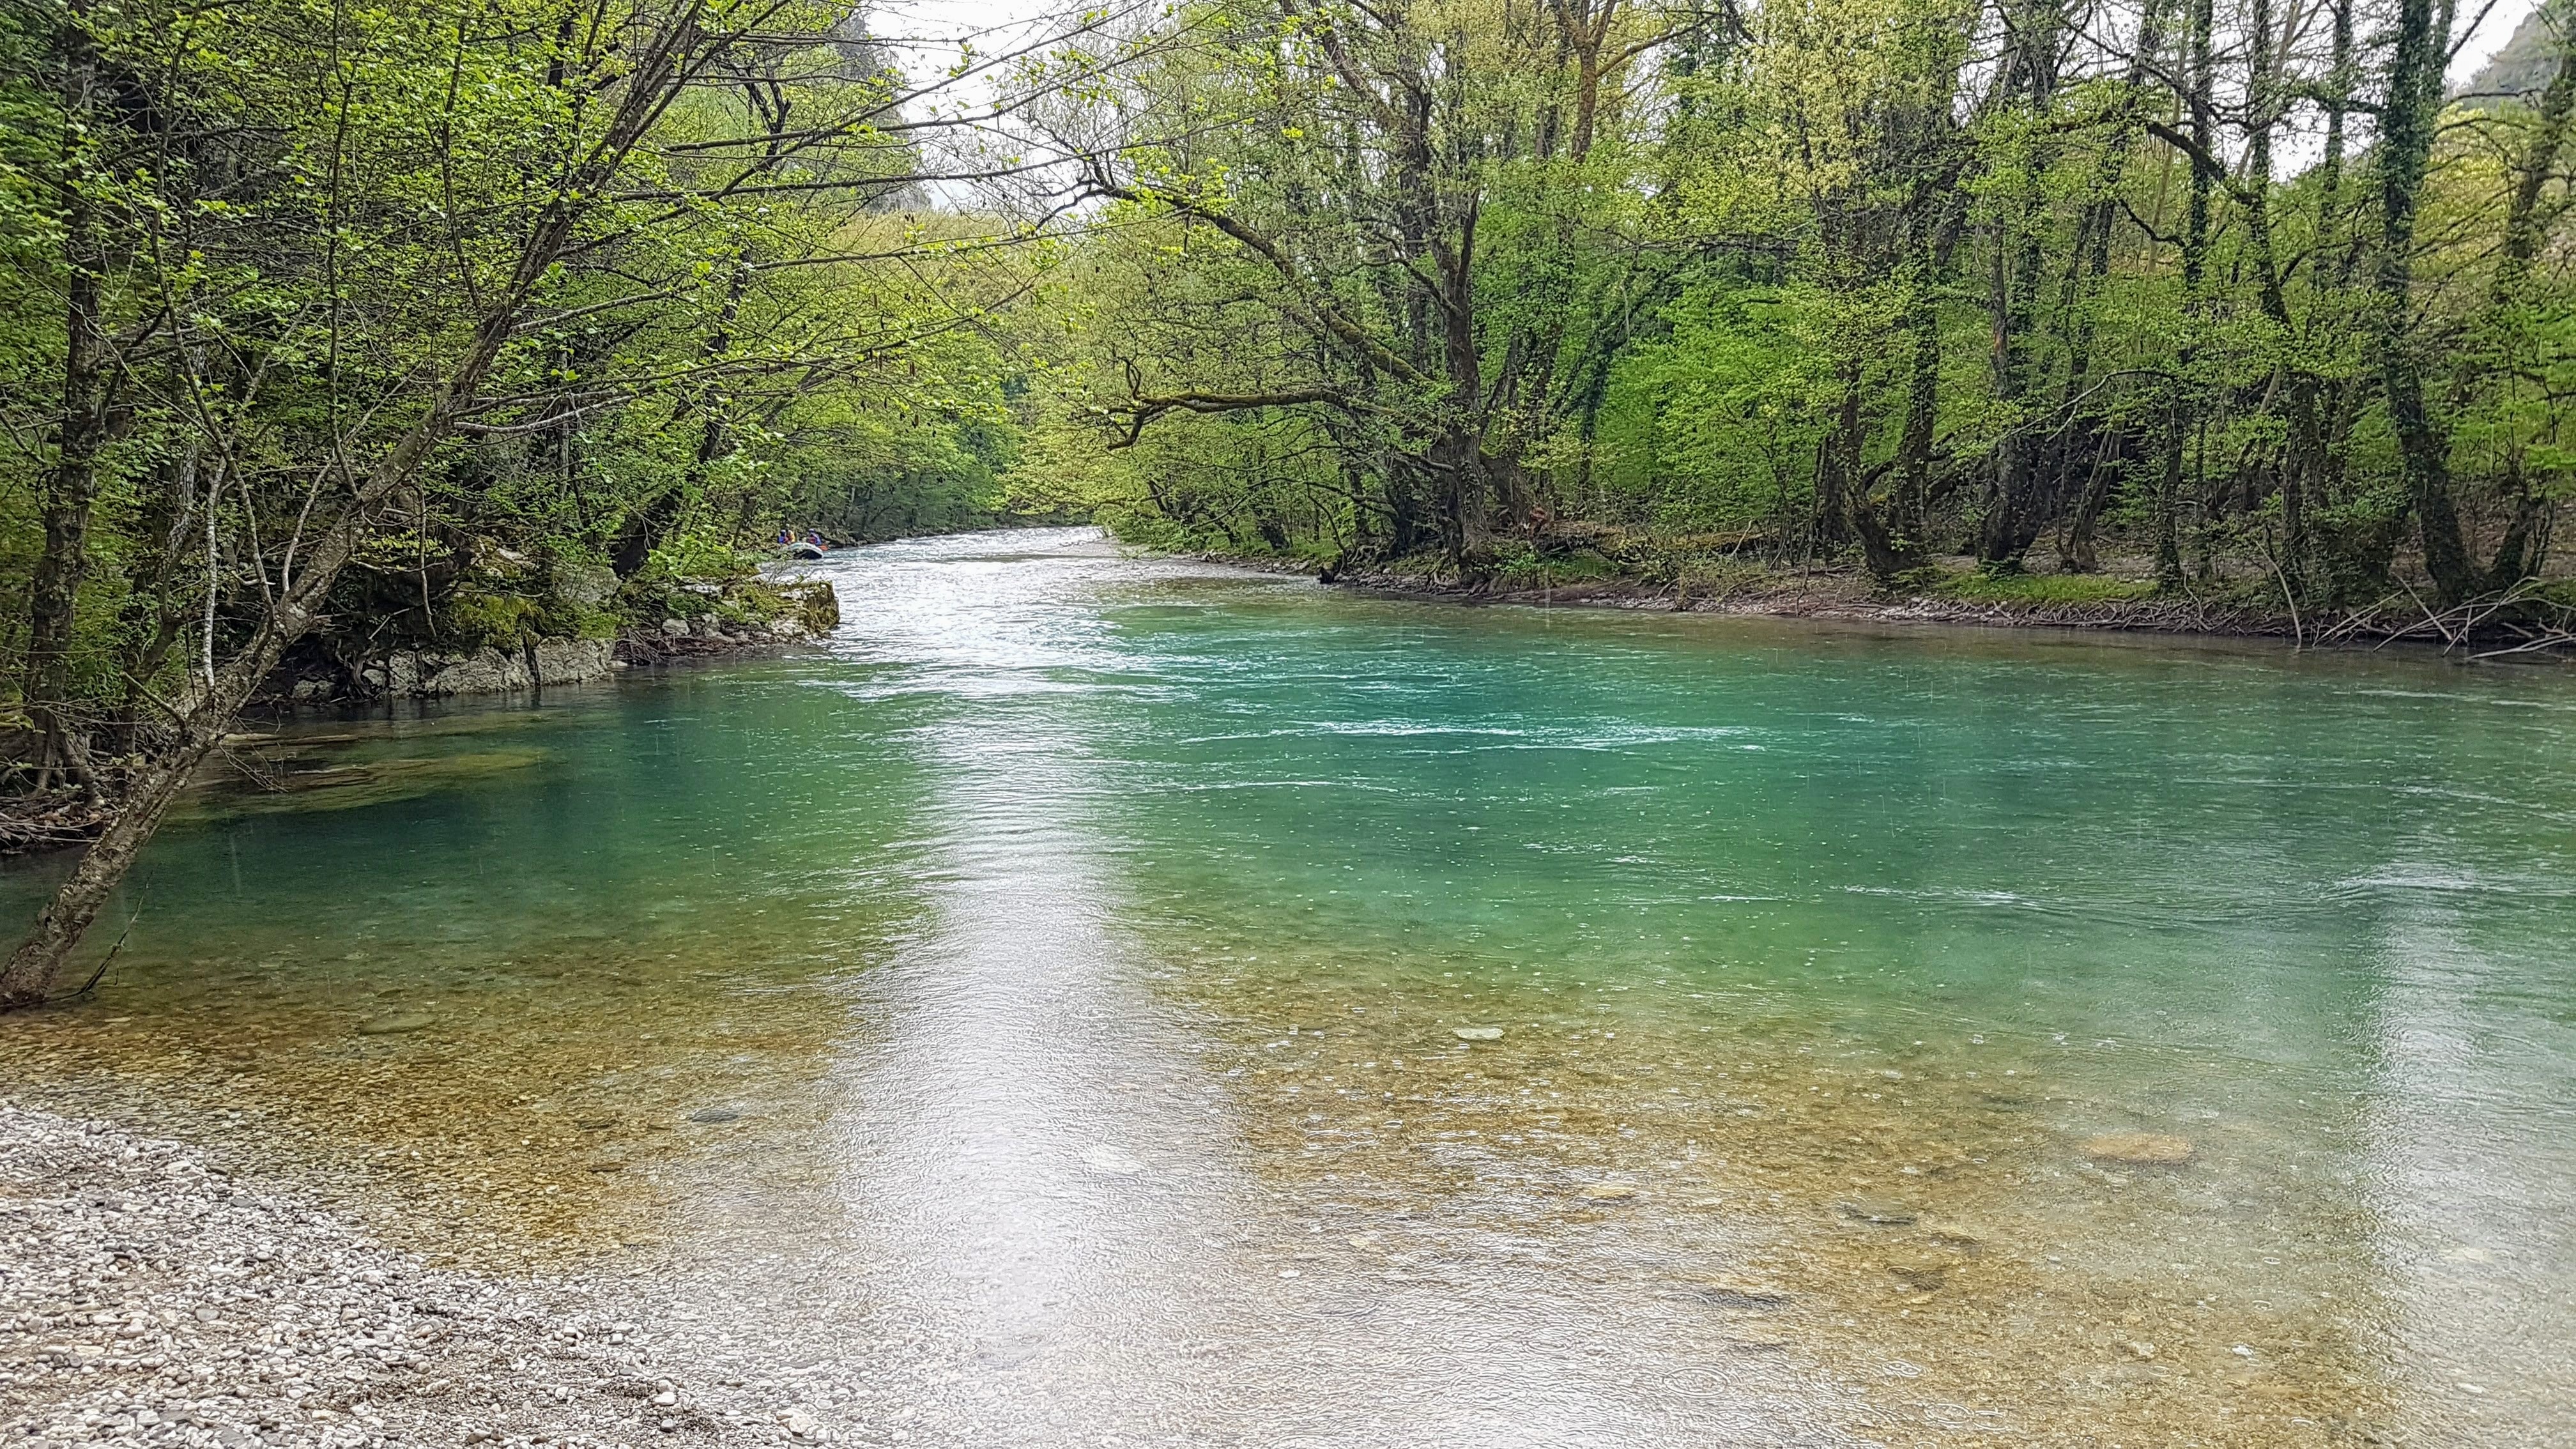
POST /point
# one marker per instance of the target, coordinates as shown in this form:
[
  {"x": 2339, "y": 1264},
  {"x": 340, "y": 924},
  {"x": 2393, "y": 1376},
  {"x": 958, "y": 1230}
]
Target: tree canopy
[{"x": 1876, "y": 278}]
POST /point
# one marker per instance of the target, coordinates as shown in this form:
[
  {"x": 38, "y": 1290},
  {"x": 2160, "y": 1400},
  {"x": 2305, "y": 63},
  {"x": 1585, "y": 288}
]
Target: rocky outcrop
[
  {"x": 817, "y": 605},
  {"x": 720, "y": 619},
  {"x": 570, "y": 661},
  {"x": 2519, "y": 70},
  {"x": 706, "y": 637},
  {"x": 428, "y": 674}
]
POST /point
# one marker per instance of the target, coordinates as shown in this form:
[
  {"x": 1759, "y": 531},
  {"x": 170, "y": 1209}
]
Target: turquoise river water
[{"x": 1040, "y": 1008}]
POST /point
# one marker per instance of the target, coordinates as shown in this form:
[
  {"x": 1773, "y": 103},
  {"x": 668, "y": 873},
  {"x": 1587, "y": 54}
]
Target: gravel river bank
[{"x": 148, "y": 1297}]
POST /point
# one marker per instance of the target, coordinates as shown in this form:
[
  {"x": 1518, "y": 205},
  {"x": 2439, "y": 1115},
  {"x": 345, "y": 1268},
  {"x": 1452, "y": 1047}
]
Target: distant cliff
[{"x": 2520, "y": 70}]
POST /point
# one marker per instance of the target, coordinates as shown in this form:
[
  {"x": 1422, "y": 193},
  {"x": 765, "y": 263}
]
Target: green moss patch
[{"x": 2040, "y": 590}]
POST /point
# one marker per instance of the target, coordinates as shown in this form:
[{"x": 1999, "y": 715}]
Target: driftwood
[{"x": 2520, "y": 620}]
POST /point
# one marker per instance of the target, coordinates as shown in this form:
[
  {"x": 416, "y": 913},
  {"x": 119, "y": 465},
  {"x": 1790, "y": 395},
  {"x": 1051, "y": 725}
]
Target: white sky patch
[
  {"x": 929, "y": 37},
  {"x": 2477, "y": 46}
]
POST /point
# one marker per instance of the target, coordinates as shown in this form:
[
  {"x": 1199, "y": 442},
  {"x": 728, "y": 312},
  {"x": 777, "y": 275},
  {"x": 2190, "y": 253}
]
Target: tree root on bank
[
  {"x": 51, "y": 820},
  {"x": 2522, "y": 619}
]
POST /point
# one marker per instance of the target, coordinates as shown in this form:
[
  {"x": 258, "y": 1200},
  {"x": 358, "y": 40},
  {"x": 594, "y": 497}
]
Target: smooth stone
[
  {"x": 398, "y": 1022},
  {"x": 2140, "y": 1349},
  {"x": 1477, "y": 1033},
  {"x": 2141, "y": 1149},
  {"x": 713, "y": 1115},
  {"x": 1876, "y": 1213},
  {"x": 1611, "y": 1191}
]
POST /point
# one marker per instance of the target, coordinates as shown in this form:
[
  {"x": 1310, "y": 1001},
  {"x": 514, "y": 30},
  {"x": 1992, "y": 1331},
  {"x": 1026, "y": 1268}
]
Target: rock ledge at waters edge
[
  {"x": 730, "y": 621},
  {"x": 146, "y": 1297}
]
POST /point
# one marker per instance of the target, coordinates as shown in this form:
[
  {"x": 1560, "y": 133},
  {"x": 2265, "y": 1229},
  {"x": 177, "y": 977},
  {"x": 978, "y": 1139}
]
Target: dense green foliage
[
  {"x": 244, "y": 243},
  {"x": 330, "y": 330},
  {"x": 1467, "y": 281}
]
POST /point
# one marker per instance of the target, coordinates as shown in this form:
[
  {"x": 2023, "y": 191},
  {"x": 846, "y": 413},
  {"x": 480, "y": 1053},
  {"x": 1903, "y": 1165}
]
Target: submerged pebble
[
  {"x": 2140, "y": 1149},
  {"x": 1740, "y": 1293},
  {"x": 396, "y": 1023},
  {"x": 1477, "y": 1033}
]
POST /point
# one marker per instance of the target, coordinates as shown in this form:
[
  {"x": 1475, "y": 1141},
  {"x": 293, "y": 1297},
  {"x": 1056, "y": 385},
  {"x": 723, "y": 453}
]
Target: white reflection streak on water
[
  {"x": 2475, "y": 1248},
  {"x": 1052, "y": 1221}
]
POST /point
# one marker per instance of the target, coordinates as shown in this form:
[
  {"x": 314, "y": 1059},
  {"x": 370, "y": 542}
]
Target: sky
[
  {"x": 999, "y": 21},
  {"x": 928, "y": 33}
]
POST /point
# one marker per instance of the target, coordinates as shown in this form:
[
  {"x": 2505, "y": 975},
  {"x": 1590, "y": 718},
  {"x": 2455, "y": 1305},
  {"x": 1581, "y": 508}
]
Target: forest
[
  {"x": 2235, "y": 291},
  {"x": 331, "y": 330}
]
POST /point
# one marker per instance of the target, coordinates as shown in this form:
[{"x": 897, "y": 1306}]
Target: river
[{"x": 1105, "y": 1000}]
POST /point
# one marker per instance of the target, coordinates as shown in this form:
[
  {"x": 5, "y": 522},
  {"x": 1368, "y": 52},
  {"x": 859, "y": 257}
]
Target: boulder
[
  {"x": 579, "y": 584},
  {"x": 818, "y": 608},
  {"x": 570, "y": 661},
  {"x": 403, "y": 673},
  {"x": 485, "y": 671}
]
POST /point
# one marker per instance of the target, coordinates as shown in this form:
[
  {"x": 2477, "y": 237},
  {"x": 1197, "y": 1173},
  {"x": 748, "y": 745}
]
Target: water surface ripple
[{"x": 1036, "y": 1016}]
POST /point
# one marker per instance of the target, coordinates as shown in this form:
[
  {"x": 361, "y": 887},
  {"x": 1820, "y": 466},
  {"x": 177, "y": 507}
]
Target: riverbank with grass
[{"x": 1713, "y": 577}]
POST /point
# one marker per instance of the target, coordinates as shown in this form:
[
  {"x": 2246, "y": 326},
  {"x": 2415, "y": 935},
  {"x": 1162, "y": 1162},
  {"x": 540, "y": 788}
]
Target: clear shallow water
[{"x": 1036, "y": 1011}]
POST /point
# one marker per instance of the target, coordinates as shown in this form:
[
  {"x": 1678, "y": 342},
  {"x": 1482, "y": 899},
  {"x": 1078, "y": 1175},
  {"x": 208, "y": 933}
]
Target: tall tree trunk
[
  {"x": 651, "y": 521},
  {"x": 2085, "y": 274},
  {"x": 89, "y": 407},
  {"x": 1838, "y": 463},
  {"x": 2522, "y": 226},
  {"x": 2405, "y": 152},
  {"x": 2169, "y": 498},
  {"x": 2184, "y": 389},
  {"x": 2013, "y": 517},
  {"x": 2524, "y": 547},
  {"x": 2078, "y": 555},
  {"x": 1913, "y": 502},
  {"x": 2307, "y": 439}
]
